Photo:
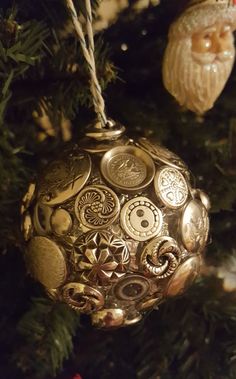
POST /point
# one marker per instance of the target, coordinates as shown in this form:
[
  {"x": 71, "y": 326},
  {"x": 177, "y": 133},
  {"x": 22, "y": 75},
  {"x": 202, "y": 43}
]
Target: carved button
[
  {"x": 97, "y": 206},
  {"x": 141, "y": 219},
  {"x": 171, "y": 187}
]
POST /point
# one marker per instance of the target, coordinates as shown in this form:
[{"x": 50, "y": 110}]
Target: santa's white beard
[{"x": 195, "y": 80}]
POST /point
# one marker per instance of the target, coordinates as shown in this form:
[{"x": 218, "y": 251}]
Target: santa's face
[{"x": 196, "y": 68}]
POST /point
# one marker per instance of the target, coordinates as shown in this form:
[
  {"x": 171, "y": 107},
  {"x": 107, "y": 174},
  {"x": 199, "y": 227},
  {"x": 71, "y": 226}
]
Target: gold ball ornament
[
  {"x": 113, "y": 227},
  {"x": 200, "y": 53}
]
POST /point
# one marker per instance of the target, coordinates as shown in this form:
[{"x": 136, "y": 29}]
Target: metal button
[
  {"x": 141, "y": 219},
  {"x": 195, "y": 226},
  {"x": 171, "y": 187},
  {"x": 127, "y": 168}
]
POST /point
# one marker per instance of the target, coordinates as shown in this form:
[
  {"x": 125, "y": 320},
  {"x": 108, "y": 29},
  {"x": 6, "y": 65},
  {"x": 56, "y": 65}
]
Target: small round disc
[
  {"x": 46, "y": 262},
  {"x": 132, "y": 287},
  {"x": 171, "y": 187},
  {"x": 108, "y": 318},
  {"x": 195, "y": 226},
  {"x": 141, "y": 219},
  {"x": 185, "y": 275},
  {"x": 96, "y": 207},
  {"x": 61, "y": 222},
  {"x": 162, "y": 154},
  {"x": 64, "y": 178},
  {"x": 127, "y": 168}
]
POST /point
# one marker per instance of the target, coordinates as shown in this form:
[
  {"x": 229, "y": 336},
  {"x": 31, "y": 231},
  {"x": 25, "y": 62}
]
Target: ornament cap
[{"x": 112, "y": 131}]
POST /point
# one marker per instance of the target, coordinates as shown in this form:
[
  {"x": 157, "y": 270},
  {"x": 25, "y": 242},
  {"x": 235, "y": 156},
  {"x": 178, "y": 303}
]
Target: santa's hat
[{"x": 200, "y": 14}]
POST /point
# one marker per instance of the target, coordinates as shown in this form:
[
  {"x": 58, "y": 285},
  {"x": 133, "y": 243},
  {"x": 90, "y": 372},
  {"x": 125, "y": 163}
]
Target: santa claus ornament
[
  {"x": 200, "y": 53},
  {"x": 113, "y": 226}
]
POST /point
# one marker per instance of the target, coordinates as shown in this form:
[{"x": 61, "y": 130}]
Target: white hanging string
[{"x": 88, "y": 51}]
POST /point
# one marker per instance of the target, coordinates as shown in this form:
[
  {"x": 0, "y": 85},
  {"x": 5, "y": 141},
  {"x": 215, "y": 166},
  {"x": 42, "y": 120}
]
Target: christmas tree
[{"x": 45, "y": 102}]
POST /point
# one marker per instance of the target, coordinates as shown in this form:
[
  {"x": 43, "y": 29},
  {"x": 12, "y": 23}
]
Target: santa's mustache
[{"x": 209, "y": 58}]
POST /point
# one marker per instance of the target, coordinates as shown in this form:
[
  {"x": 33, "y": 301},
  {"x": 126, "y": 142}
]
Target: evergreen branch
[{"x": 47, "y": 331}]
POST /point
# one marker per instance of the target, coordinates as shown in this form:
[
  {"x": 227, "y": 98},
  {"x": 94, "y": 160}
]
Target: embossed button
[
  {"x": 162, "y": 154},
  {"x": 184, "y": 276},
  {"x": 61, "y": 222},
  {"x": 96, "y": 207},
  {"x": 127, "y": 168},
  {"x": 46, "y": 262},
  {"x": 141, "y": 219},
  {"x": 171, "y": 187},
  {"x": 64, "y": 178},
  {"x": 195, "y": 226}
]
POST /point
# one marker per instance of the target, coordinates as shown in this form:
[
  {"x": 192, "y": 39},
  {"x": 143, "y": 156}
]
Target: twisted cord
[{"x": 88, "y": 51}]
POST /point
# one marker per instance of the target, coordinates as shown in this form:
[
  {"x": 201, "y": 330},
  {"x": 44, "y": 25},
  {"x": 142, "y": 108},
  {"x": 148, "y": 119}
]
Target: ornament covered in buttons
[{"x": 98, "y": 227}]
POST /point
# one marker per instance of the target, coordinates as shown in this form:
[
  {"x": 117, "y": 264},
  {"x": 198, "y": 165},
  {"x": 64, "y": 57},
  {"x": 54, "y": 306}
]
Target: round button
[
  {"x": 132, "y": 287},
  {"x": 96, "y": 207},
  {"x": 162, "y": 154},
  {"x": 195, "y": 226},
  {"x": 127, "y": 168},
  {"x": 46, "y": 262},
  {"x": 184, "y": 276},
  {"x": 64, "y": 178},
  {"x": 141, "y": 219},
  {"x": 61, "y": 222},
  {"x": 171, "y": 187}
]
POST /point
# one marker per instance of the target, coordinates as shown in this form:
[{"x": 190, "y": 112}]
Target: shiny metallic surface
[
  {"x": 127, "y": 168},
  {"x": 162, "y": 154},
  {"x": 64, "y": 178},
  {"x": 46, "y": 262},
  {"x": 195, "y": 226},
  {"x": 141, "y": 219},
  {"x": 184, "y": 276},
  {"x": 113, "y": 229},
  {"x": 97, "y": 207},
  {"x": 161, "y": 257},
  {"x": 171, "y": 187}
]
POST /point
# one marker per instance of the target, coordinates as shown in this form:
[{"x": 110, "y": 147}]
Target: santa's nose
[{"x": 218, "y": 44}]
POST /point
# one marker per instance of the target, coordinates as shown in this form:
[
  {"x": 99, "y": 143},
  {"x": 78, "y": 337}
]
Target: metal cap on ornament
[{"x": 113, "y": 226}]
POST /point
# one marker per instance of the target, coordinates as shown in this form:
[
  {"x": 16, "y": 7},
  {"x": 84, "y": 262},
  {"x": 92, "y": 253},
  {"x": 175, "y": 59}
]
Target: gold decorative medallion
[
  {"x": 102, "y": 257},
  {"x": 195, "y": 226},
  {"x": 184, "y": 276},
  {"x": 42, "y": 255},
  {"x": 64, "y": 178},
  {"x": 127, "y": 168},
  {"x": 141, "y": 219},
  {"x": 171, "y": 187},
  {"x": 162, "y": 154},
  {"x": 161, "y": 257},
  {"x": 96, "y": 207}
]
